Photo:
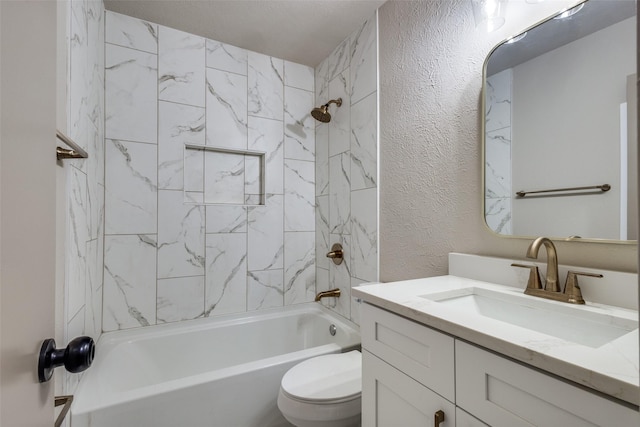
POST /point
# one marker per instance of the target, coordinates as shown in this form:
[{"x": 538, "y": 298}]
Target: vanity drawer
[
  {"x": 391, "y": 399},
  {"x": 503, "y": 393},
  {"x": 417, "y": 350}
]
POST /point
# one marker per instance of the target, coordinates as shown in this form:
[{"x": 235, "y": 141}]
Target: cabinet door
[
  {"x": 422, "y": 353},
  {"x": 392, "y": 399},
  {"x": 503, "y": 393},
  {"x": 463, "y": 419}
]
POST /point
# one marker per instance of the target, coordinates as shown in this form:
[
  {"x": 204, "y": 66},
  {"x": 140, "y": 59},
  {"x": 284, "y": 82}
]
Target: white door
[{"x": 27, "y": 207}]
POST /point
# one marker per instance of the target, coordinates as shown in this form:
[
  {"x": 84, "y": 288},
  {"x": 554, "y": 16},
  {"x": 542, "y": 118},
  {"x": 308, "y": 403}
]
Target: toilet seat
[
  {"x": 323, "y": 391},
  {"x": 328, "y": 379}
]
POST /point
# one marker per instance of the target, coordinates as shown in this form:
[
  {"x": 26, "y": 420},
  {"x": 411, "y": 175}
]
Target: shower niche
[{"x": 223, "y": 176}]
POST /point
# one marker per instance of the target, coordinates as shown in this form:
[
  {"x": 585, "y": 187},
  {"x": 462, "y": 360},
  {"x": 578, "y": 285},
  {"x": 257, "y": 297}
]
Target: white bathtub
[{"x": 216, "y": 372}]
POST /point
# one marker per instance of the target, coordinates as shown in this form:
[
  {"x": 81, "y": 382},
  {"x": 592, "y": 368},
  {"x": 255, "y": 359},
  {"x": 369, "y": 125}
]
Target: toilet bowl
[{"x": 323, "y": 391}]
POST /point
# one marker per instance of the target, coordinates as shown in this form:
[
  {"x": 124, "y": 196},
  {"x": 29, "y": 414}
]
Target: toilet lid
[{"x": 323, "y": 378}]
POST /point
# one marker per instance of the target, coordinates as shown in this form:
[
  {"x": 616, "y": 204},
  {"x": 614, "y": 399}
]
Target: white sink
[{"x": 585, "y": 325}]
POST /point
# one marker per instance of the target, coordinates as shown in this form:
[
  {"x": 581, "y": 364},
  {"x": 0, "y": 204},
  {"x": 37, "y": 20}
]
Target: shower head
[{"x": 321, "y": 114}]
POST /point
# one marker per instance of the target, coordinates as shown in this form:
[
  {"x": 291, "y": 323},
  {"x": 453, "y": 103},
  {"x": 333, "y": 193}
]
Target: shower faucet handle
[{"x": 336, "y": 254}]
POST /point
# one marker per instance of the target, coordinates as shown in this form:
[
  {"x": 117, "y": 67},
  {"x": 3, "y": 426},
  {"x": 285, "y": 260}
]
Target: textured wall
[{"x": 431, "y": 58}]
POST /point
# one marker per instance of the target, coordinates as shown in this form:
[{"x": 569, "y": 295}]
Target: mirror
[{"x": 560, "y": 112}]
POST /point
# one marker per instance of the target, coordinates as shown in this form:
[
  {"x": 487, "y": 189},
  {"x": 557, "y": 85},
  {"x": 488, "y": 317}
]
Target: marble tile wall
[
  {"x": 498, "y": 188},
  {"x": 84, "y": 178},
  {"x": 346, "y": 166},
  {"x": 168, "y": 256}
]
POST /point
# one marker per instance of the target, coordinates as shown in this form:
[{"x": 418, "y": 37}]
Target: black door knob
[{"x": 76, "y": 357}]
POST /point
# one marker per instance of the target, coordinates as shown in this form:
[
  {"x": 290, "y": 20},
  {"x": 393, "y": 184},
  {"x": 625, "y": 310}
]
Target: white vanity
[{"x": 480, "y": 352}]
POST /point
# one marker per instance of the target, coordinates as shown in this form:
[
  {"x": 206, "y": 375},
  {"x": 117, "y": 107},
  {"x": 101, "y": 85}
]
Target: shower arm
[{"x": 338, "y": 102}]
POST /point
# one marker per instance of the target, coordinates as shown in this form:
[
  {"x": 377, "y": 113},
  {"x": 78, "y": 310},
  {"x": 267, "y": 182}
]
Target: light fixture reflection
[
  {"x": 570, "y": 12},
  {"x": 489, "y": 14},
  {"x": 516, "y": 38}
]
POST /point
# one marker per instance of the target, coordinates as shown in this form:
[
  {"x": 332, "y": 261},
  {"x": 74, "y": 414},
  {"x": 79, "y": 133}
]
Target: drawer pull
[{"x": 438, "y": 418}]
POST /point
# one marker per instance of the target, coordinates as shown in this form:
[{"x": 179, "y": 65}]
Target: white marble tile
[
  {"x": 340, "y": 194},
  {"x": 180, "y": 236},
  {"x": 181, "y": 67},
  {"x": 95, "y": 208},
  {"x": 193, "y": 173},
  {"x": 180, "y": 299},
  {"x": 298, "y": 75},
  {"x": 226, "y": 109},
  {"x": 79, "y": 73},
  {"x": 498, "y": 101},
  {"x": 226, "y": 279},
  {"x": 340, "y": 124},
  {"x": 322, "y": 160},
  {"x": 96, "y": 58},
  {"x": 299, "y": 125},
  {"x": 131, "y": 188},
  {"x": 76, "y": 241},
  {"x": 340, "y": 277},
  {"x": 299, "y": 267},
  {"x": 93, "y": 288},
  {"x": 226, "y": 219},
  {"x": 321, "y": 83},
  {"x": 364, "y": 234},
  {"x": 322, "y": 232},
  {"x": 226, "y": 57},
  {"x": 178, "y": 125},
  {"x": 299, "y": 195},
  {"x": 266, "y": 235},
  {"x": 131, "y": 32},
  {"x": 364, "y": 143},
  {"x": 265, "y": 289},
  {"x": 498, "y": 215},
  {"x": 265, "y": 82},
  {"x": 129, "y": 282},
  {"x": 322, "y": 280},
  {"x": 266, "y": 135},
  {"x": 364, "y": 60},
  {"x": 223, "y": 178},
  {"x": 252, "y": 175},
  {"x": 498, "y": 163},
  {"x": 131, "y": 94},
  {"x": 253, "y": 199},
  {"x": 339, "y": 59},
  {"x": 194, "y": 197}
]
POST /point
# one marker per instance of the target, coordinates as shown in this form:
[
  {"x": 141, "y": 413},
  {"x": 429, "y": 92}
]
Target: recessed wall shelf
[{"x": 223, "y": 176}]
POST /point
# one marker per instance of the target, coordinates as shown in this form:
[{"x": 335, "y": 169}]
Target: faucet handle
[
  {"x": 572, "y": 289},
  {"x": 534, "y": 275}
]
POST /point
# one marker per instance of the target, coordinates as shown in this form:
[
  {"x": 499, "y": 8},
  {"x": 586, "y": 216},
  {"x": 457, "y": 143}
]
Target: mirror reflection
[{"x": 560, "y": 113}]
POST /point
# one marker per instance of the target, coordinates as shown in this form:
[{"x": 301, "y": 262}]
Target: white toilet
[{"x": 323, "y": 391}]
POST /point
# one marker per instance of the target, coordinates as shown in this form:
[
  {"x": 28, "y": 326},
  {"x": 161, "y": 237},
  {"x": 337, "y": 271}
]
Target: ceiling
[{"x": 301, "y": 31}]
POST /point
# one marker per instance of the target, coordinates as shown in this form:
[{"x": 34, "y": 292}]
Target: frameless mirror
[{"x": 560, "y": 111}]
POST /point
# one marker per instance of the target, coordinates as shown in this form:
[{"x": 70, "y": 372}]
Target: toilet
[{"x": 323, "y": 391}]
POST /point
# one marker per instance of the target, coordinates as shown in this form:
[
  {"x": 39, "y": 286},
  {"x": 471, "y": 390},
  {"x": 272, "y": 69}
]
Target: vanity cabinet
[{"x": 411, "y": 371}]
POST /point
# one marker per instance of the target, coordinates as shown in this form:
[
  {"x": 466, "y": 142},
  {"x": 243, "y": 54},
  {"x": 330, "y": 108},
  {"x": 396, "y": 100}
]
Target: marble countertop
[{"x": 611, "y": 368}]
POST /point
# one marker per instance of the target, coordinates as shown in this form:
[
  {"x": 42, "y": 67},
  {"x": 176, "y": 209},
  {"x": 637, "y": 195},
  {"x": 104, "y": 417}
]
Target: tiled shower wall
[
  {"x": 166, "y": 260},
  {"x": 347, "y": 167},
  {"x": 84, "y": 178},
  {"x": 498, "y": 191}
]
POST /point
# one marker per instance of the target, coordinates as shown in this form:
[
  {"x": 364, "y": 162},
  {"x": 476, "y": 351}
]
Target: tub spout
[{"x": 330, "y": 293}]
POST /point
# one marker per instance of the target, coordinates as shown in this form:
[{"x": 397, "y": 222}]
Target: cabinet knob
[{"x": 438, "y": 418}]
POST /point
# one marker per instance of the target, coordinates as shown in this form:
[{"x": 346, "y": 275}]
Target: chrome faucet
[
  {"x": 551, "y": 284},
  {"x": 572, "y": 293}
]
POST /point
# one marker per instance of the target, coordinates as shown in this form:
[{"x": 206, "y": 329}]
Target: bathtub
[{"x": 215, "y": 372}]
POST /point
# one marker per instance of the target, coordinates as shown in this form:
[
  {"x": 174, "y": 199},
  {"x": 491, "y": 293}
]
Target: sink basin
[{"x": 589, "y": 326}]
